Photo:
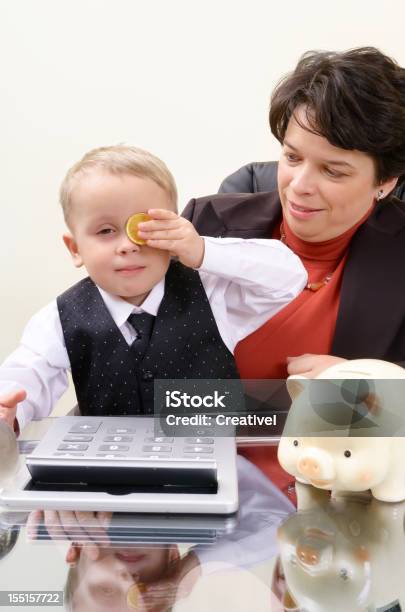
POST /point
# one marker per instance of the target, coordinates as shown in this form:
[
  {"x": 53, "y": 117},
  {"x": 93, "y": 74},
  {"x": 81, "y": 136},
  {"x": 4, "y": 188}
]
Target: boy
[{"x": 138, "y": 315}]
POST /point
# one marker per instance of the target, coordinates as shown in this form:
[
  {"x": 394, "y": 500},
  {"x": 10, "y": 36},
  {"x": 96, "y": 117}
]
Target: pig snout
[{"x": 315, "y": 464}]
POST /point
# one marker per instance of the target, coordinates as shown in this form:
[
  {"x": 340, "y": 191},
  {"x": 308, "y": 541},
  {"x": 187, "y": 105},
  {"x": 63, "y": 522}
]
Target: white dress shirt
[{"x": 247, "y": 282}]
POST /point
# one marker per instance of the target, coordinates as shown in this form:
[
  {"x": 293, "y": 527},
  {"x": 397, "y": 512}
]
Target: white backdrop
[{"x": 189, "y": 80}]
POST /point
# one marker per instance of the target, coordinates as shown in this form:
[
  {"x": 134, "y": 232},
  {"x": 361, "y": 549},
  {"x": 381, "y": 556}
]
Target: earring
[{"x": 380, "y": 195}]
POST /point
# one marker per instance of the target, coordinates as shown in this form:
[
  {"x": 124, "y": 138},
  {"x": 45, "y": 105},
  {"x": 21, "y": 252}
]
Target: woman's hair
[{"x": 355, "y": 99}]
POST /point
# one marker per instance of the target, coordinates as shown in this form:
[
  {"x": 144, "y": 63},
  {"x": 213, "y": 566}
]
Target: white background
[{"x": 188, "y": 80}]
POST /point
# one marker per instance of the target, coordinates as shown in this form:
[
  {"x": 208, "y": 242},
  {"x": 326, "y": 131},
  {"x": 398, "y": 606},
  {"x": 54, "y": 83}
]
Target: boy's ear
[{"x": 71, "y": 246}]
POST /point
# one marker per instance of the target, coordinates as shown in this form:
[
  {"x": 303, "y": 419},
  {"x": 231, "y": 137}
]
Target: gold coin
[
  {"x": 133, "y": 595},
  {"x": 132, "y": 227}
]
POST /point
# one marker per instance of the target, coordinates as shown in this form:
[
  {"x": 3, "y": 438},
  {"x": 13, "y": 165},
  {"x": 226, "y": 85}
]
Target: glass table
[{"x": 339, "y": 555}]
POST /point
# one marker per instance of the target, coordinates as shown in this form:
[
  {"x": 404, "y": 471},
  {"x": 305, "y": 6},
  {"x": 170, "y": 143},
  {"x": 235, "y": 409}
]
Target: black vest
[{"x": 109, "y": 379}]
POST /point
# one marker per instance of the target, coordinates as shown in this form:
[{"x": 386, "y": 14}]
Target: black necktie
[{"x": 143, "y": 325}]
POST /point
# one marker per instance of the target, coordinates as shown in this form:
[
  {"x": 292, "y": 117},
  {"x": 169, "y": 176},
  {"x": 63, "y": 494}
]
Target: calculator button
[
  {"x": 78, "y": 438},
  {"x": 118, "y": 439},
  {"x": 69, "y": 454},
  {"x": 113, "y": 447},
  {"x": 85, "y": 427},
  {"x": 150, "y": 448},
  {"x": 200, "y": 440},
  {"x": 109, "y": 455},
  {"x": 73, "y": 447},
  {"x": 121, "y": 430},
  {"x": 198, "y": 449},
  {"x": 160, "y": 440}
]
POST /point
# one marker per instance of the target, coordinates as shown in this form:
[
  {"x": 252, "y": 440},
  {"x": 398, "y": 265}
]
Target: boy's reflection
[
  {"x": 160, "y": 576},
  {"x": 104, "y": 577},
  {"x": 119, "y": 579}
]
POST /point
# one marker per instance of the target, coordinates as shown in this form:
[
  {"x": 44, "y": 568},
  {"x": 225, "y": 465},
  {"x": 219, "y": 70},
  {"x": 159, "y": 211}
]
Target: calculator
[{"x": 126, "y": 464}]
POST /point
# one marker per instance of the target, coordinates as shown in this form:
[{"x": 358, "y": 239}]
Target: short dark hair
[{"x": 355, "y": 99}]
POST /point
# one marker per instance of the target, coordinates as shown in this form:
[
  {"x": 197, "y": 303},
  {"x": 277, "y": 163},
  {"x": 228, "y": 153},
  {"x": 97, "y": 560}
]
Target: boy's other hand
[
  {"x": 8, "y": 406},
  {"x": 172, "y": 233}
]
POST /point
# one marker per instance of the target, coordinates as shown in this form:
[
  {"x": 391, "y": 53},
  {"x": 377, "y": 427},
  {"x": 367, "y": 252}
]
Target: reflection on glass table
[
  {"x": 126, "y": 562},
  {"x": 332, "y": 555},
  {"x": 341, "y": 554}
]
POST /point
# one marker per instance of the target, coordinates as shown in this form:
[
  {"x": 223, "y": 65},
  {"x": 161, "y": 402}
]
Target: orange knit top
[{"x": 306, "y": 325}]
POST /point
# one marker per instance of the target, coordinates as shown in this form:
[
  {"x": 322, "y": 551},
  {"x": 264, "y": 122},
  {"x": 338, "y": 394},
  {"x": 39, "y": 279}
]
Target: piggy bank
[
  {"x": 344, "y": 554},
  {"x": 9, "y": 456},
  {"x": 345, "y": 430}
]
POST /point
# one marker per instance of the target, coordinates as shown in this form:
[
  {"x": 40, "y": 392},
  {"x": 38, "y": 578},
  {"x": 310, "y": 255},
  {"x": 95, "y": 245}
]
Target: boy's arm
[
  {"x": 38, "y": 367},
  {"x": 247, "y": 282}
]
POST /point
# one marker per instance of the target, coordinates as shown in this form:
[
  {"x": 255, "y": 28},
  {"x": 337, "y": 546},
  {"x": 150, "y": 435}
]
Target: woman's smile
[{"x": 302, "y": 212}]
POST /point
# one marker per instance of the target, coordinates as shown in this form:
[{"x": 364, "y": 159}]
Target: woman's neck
[{"x": 328, "y": 250}]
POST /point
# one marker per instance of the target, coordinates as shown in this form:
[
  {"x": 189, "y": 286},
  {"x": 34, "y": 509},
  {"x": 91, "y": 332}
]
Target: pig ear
[{"x": 295, "y": 385}]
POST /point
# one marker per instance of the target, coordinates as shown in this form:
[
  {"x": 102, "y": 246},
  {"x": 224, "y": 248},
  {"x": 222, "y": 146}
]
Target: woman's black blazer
[{"x": 371, "y": 316}]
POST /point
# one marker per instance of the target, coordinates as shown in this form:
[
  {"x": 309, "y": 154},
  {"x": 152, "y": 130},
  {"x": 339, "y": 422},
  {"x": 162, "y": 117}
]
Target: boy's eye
[{"x": 105, "y": 231}]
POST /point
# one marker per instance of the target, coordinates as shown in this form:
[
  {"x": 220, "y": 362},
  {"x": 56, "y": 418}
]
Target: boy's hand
[
  {"x": 8, "y": 406},
  {"x": 92, "y": 527},
  {"x": 170, "y": 232}
]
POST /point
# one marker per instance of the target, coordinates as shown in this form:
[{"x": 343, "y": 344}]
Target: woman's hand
[{"x": 311, "y": 365}]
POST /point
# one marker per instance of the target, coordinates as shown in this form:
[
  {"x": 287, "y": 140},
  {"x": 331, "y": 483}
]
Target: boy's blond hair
[{"x": 118, "y": 159}]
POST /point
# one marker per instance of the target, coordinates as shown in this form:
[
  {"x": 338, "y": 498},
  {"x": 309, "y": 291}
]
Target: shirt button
[{"x": 147, "y": 375}]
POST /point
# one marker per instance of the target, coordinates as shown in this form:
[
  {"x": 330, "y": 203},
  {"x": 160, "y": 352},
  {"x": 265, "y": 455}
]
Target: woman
[{"x": 340, "y": 118}]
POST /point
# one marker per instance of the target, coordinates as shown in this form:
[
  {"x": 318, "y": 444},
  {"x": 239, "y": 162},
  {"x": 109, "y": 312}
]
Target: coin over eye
[
  {"x": 132, "y": 227},
  {"x": 133, "y": 595}
]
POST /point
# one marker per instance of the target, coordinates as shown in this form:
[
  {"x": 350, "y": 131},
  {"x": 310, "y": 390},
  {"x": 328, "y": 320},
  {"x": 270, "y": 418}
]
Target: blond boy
[{"x": 140, "y": 315}]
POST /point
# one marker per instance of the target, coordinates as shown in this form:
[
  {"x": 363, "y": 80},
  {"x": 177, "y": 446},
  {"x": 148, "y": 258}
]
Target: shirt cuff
[{"x": 212, "y": 254}]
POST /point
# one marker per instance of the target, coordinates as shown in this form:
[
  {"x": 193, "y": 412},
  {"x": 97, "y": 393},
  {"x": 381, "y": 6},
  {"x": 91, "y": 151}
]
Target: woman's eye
[
  {"x": 291, "y": 157},
  {"x": 333, "y": 173}
]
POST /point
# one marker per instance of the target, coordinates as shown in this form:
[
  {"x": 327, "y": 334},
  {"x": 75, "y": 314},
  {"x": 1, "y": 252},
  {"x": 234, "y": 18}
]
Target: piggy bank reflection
[
  {"x": 9, "y": 456},
  {"x": 345, "y": 430},
  {"x": 344, "y": 555}
]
